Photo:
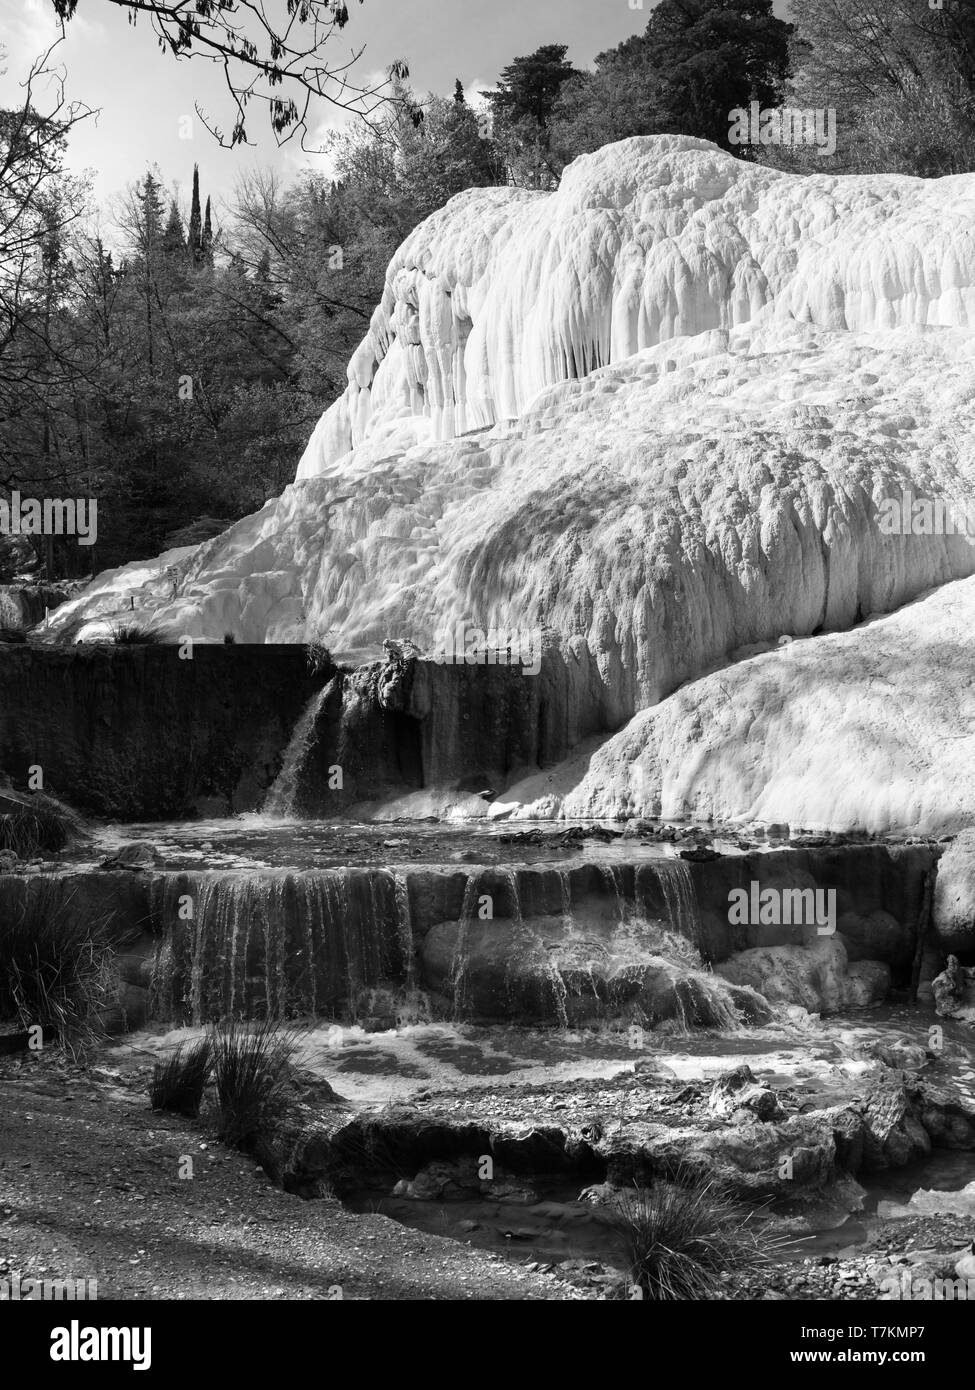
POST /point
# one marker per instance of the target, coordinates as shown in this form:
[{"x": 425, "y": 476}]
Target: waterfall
[
  {"x": 611, "y": 877},
  {"x": 247, "y": 945},
  {"x": 404, "y": 927},
  {"x": 280, "y": 800},
  {"x": 680, "y": 898},
  {"x": 565, "y": 884},
  {"x": 457, "y": 979}
]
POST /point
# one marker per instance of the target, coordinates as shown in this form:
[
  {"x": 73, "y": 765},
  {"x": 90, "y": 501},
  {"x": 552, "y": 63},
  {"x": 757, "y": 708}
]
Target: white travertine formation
[{"x": 657, "y": 412}]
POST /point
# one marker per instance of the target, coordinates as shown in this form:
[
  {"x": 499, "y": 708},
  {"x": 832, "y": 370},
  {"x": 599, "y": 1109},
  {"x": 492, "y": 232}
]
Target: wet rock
[
  {"x": 542, "y": 971},
  {"x": 599, "y": 1194},
  {"x": 900, "y": 1053},
  {"x": 953, "y": 909},
  {"x": 877, "y": 935},
  {"x": 947, "y": 1116},
  {"x": 895, "y": 1136},
  {"x": 138, "y": 855},
  {"x": 816, "y": 976},
  {"x": 933, "y": 1203},
  {"x": 738, "y": 1091},
  {"x": 954, "y": 992},
  {"x": 754, "y": 1161}
]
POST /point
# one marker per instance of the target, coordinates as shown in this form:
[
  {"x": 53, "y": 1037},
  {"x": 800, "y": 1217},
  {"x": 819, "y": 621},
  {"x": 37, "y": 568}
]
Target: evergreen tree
[
  {"x": 174, "y": 237},
  {"x": 206, "y": 244},
  {"x": 522, "y": 106},
  {"x": 713, "y": 56},
  {"x": 196, "y": 222}
]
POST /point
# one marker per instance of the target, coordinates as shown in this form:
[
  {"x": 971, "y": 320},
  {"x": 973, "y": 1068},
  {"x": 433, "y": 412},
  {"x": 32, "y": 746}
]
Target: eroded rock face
[
  {"x": 544, "y": 970},
  {"x": 954, "y": 992},
  {"x": 954, "y": 898},
  {"x": 817, "y": 976},
  {"x": 136, "y": 733}
]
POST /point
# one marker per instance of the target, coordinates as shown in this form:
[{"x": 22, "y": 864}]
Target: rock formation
[{"x": 658, "y": 413}]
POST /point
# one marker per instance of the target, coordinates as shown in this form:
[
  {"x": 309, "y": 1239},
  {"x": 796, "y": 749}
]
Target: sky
[{"x": 143, "y": 94}]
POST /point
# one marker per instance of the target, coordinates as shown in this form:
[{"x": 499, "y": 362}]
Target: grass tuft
[
  {"x": 40, "y": 826},
  {"x": 132, "y": 635},
  {"x": 680, "y": 1237},
  {"x": 178, "y": 1084},
  {"x": 57, "y": 971},
  {"x": 251, "y": 1070}
]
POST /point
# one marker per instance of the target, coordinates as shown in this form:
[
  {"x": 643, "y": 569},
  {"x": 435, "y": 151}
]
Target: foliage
[
  {"x": 251, "y": 1070},
  {"x": 901, "y": 78},
  {"x": 178, "y": 1083},
  {"x": 680, "y": 1237},
  {"x": 57, "y": 971}
]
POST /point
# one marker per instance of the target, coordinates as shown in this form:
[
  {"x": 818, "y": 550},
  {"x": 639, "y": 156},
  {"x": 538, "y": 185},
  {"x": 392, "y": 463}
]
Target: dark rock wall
[{"x": 137, "y": 733}]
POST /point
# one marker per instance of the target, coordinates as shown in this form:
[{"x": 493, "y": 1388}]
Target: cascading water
[
  {"x": 281, "y": 944},
  {"x": 281, "y": 798},
  {"x": 611, "y": 878},
  {"x": 676, "y": 884},
  {"x": 457, "y": 979},
  {"x": 404, "y": 925}
]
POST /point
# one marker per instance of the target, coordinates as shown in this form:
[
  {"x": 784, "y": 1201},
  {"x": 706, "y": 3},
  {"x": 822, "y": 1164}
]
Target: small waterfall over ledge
[
  {"x": 281, "y": 798},
  {"x": 273, "y": 943},
  {"x": 560, "y": 942}
]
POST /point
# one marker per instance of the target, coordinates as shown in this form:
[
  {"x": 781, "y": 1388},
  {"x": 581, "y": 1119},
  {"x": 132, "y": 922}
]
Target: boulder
[
  {"x": 816, "y": 976},
  {"x": 140, "y": 854},
  {"x": 738, "y": 1093},
  {"x": 954, "y": 897},
  {"x": 954, "y": 992},
  {"x": 542, "y": 971},
  {"x": 900, "y": 1053},
  {"x": 894, "y": 1136}
]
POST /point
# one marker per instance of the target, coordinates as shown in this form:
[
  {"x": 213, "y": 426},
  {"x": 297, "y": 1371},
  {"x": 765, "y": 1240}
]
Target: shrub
[
  {"x": 229, "y": 640},
  {"x": 319, "y": 658},
  {"x": 680, "y": 1236},
  {"x": 251, "y": 1068},
  {"x": 57, "y": 970},
  {"x": 132, "y": 635},
  {"x": 179, "y": 1083},
  {"x": 38, "y": 826}
]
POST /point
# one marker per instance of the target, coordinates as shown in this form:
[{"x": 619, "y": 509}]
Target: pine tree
[
  {"x": 459, "y": 96},
  {"x": 196, "y": 223},
  {"x": 174, "y": 237},
  {"x": 149, "y": 197}
]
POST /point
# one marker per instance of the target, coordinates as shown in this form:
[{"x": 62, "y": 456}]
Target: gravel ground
[{"x": 90, "y": 1186}]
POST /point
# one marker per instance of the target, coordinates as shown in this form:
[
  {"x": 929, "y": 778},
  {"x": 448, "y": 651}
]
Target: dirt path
[{"x": 90, "y": 1186}]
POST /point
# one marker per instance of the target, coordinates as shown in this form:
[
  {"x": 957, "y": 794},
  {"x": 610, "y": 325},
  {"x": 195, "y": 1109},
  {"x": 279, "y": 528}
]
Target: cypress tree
[
  {"x": 206, "y": 243},
  {"x": 196, "y": 222}
]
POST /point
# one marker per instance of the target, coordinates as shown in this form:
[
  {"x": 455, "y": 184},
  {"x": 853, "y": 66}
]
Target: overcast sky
[{"x": 142, "y": 93}]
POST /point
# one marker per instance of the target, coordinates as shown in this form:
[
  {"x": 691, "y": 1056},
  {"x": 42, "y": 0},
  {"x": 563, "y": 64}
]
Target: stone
[
  {"x": 816, "y": 976},
  {"x": 136, "y": 856},
  {"x": 953, "y": 908},
  {"x": 738, "y": 1094},
  {"x": 899, "y": 1053},
  {"x": 894, "y": 1136}
]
